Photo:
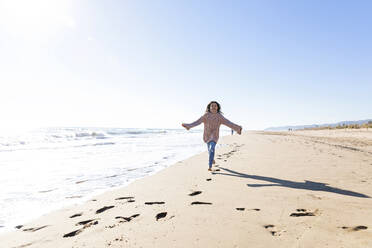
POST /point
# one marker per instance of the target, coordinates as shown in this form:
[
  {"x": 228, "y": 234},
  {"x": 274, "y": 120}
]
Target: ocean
[{"x": 46, "y": 169}]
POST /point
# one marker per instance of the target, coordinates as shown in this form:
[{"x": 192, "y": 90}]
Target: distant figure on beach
[
  {"x": 232, "y": 131},
  {"x": 212, "y": 120}
]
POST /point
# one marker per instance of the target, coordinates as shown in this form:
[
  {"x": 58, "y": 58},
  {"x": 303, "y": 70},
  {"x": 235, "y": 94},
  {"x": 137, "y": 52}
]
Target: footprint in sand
[
  {"x": 83, "y": 181},
  {"x": 271, "y": 228},
  {"x": 200, "y": 203},
  {"x": 125, "y": 198},
  {"x": 160, "y": 215},
  {"x": 103, "y": 209},
  {"x": 87, "y": 223},
  {"x": 152, "y": 203},
  {"x": 90, "y": 224},
  {"x": 356, "y": 228},
  {"x": 47, "y": 191},
  {"x": 76, "y": 215},
  {"x": 73, "y": 233},
  {"x": 302, "y": 212},
  {"x": 195, "y": 193},
  {"x": 126, "y": 219},
  {"x": 24, "y": 245},
  {"x": 34, "y": 229}
]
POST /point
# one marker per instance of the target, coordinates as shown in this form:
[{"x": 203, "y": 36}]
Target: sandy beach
[{"x": 267, "y": 189}]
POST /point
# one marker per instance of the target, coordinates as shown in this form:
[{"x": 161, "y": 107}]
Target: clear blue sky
[{"x": 158, "y": 63}]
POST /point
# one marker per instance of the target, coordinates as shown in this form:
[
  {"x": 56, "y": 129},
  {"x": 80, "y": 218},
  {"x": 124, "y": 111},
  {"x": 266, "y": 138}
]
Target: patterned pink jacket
[{"x": 212, "y": 123}]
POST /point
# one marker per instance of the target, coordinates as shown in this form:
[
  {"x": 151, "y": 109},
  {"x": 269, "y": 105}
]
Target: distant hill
[{"x": 282, "y": 128}]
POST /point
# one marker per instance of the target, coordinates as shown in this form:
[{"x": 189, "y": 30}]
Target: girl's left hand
[{"x": 184, "y": 125}]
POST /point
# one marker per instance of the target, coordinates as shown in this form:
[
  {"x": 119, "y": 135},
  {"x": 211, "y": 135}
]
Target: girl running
[{"x": 212, "y": 120}]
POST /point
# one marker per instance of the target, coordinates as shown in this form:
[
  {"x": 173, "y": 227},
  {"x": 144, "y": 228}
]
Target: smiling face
[{"x": 213, "y": 108}]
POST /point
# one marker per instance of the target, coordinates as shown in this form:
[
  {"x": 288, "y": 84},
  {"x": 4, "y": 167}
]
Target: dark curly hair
[{"x": 218, "y": 107}]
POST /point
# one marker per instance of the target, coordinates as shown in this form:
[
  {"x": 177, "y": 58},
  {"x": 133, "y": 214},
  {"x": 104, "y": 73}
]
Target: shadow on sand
[{"x": 309, "y": 185}]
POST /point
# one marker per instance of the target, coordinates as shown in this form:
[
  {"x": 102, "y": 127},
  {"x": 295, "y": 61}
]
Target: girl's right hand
[
  {"x": 184, "y": 125},
  {"x": 240, "y": 130}
]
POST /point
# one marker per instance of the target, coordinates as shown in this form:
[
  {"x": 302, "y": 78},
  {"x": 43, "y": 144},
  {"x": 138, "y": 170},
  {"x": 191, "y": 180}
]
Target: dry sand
[{"x": 269, "y": 189}]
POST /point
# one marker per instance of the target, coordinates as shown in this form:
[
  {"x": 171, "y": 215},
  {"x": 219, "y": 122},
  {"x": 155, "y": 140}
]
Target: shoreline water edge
[{"x": 48, "y": 169}]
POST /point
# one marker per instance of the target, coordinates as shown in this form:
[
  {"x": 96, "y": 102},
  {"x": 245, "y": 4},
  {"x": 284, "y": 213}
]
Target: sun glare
[{"x": 32, "y": 18}]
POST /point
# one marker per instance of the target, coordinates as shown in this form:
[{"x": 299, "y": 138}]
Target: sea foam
[{"x": 46, "y": 169}]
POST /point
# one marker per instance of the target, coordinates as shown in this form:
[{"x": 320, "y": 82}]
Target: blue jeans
[{"x": 211, "y": 146}]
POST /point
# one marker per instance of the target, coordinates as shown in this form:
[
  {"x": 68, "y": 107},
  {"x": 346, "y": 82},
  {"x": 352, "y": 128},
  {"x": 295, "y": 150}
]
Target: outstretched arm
[
  {"x": 231, "y": 125},
  {"x": 194, "y": 124}
]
